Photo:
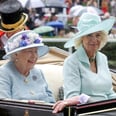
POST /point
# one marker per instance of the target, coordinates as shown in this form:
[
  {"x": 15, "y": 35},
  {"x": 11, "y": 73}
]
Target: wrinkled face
[
  {"x": 92, "y": 42},
  {"x": 27, "y": 58}
]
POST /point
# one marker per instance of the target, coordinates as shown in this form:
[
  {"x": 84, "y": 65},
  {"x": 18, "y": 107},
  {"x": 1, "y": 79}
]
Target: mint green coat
[{"x": 78, "y": 78}]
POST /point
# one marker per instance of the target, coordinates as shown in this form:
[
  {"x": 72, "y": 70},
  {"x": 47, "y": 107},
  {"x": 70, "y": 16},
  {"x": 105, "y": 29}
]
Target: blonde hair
[{"x": 104, "y": 37}]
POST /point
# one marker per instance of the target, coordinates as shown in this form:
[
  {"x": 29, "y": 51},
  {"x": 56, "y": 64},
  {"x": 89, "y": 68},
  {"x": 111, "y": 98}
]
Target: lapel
[{"x": 83, "y": 58}]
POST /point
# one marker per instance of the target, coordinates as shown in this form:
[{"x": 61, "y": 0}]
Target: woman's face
[
  {"x": 92, "y": 42},
  {"x": 27, "y": 58}
]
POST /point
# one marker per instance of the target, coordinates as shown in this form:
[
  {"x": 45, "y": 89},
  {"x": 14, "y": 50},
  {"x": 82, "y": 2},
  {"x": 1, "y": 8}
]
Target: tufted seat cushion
[{"x": 53, "y": 75}]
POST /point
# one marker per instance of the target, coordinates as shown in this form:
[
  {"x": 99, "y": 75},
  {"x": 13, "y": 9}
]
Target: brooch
[{"x": 34, "y": 77}]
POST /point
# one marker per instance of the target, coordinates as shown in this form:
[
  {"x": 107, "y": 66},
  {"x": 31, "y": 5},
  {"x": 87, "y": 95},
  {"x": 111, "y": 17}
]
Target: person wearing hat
[
  {"x": 12, "y": 20},
  {"x": 20, "y": 79},
  {"x": 87, "y": 77}
]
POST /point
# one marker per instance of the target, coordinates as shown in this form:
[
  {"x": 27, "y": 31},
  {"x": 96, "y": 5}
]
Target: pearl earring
[{"x": 16, "y": 59}]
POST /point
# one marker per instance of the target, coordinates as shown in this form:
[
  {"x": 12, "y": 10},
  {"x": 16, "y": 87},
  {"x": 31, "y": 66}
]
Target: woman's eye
[
  {"x": 29, "y": 51},
  {"x": 98, "y": 35},
  {"x": 89, "y": 35}
]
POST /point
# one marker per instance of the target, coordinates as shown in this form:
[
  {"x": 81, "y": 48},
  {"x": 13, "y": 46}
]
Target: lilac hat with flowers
[{"x": 23, "y": 40}]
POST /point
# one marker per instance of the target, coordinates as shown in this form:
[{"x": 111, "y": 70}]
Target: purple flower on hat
[
  {"x": 37, "y": 41},
  {"x": 23, "y": 43},
  {"x": 24, "y": 36},
  {"x": 23, "y": 40}
]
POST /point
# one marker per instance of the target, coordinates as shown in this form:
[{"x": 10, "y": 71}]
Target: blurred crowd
[{"x": 68, "y": 16}]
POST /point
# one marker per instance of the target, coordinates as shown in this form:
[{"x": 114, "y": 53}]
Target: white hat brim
[{"x": 42, "y": 50}]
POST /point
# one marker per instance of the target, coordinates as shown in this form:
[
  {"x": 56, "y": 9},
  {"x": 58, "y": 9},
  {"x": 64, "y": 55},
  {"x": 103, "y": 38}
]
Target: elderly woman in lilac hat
[
  {"x": 20, "y": 79},
  {"x": 87, "y": 77}
]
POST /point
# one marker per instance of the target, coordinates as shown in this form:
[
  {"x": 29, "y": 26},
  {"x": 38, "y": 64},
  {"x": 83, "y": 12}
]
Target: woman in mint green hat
[{"x": 87, "y": 77}]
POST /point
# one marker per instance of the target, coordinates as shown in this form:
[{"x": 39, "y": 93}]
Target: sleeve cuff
[{"x": 83, "y": 98}]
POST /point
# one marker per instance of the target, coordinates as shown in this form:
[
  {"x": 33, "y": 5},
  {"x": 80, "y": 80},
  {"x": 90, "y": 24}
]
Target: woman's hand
[{"x": 60, "y": 105}]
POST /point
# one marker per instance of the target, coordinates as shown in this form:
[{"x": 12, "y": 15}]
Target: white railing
[{"x": 63, "y": 40}]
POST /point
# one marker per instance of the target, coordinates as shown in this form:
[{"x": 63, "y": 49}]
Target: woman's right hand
[{"x": 60, "y": 105}]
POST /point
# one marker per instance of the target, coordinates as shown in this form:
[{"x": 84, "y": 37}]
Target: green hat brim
[{"x": 105, "y": 26}]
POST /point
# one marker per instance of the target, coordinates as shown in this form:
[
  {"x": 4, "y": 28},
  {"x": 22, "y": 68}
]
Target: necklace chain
[{"x": 91, "y": 59}]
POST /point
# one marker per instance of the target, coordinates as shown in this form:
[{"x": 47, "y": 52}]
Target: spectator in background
[
  {"x": 76, "y": 2},
  {"x": 1, "y": 44},
  {"x": 68, "y": 4},
  {"x": 61, "y": 33},
  {"x": 36, "y": 19},
  {"x": 92, "y": 3},
  {"x": 33, "y": 15},
  {"x": 69, "y": 31},
  {"x": 113, "y": 7},
  {"x": 74, "y": 15},
  {"x": 105, "y": 6},
  {"x": 53, "y": 17},
  {"x": 105, "y": 16},
  {"x": 12, "y": 20}
]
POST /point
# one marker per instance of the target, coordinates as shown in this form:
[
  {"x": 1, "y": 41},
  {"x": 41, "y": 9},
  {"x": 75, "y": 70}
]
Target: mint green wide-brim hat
[
  {"x": 24, "y": 40},
  {"x": 90, "y": 23}
]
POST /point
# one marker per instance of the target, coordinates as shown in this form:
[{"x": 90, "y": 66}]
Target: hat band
[
  {"x": 12, "y": 26},
  {"x": 20, "y": 41}
]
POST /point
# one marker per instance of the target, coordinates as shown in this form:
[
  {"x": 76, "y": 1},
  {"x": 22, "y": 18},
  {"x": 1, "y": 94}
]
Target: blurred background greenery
[{"x": 110, "y": 51}]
